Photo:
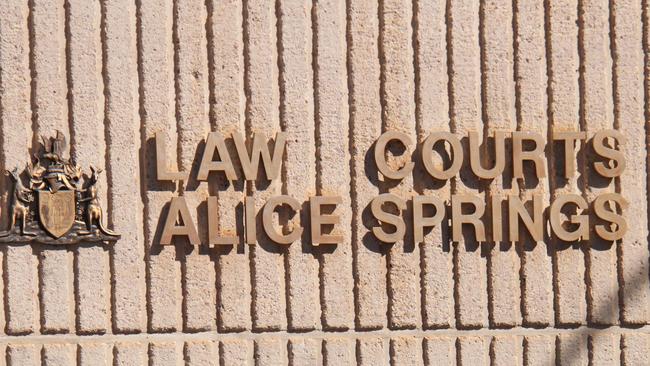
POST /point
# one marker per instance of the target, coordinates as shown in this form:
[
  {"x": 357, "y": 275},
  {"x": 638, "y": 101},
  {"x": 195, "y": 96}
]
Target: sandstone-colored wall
[{"x": 334, "y": 75}]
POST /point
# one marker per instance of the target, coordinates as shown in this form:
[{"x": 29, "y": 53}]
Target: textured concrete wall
[{"x": 334, "y": 75}]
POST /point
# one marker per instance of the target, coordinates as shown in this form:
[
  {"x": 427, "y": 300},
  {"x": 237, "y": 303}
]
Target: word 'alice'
[{"x": 426, "y": 210}]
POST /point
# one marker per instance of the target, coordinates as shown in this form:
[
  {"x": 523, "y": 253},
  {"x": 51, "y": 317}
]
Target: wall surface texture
[{"x": 334, "y": 75}]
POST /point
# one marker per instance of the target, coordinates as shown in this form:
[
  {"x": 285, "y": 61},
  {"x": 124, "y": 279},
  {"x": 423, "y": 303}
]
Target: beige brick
[
  {"x": 604, "y": 349},
  {"x": 233, "y": 277},
  {"x": 127, "y": 354},
  {"x": 24, "y": 354},
  {"x": 165, "y": 353},
  {"x": 21, "y": 289},
  {"x": 432, "y": 114},
  {"x": 499, "y": 107},
  {"x": 373, "y": 351},
  {"x": 305, "y": 352},
  {"x": 602, "y": 296},
  {"x": 472, "y": 350},
  {"x": 271, "y": 351},
  {"x": 49, "y": 111},
  {"x": 399, "y": 115},
  {"x": 269, "y": 301},
  {"x": 157, "y": 103},
  {"x": 506, "y": 350},
  {"x": 470, "y": 265},
  {"x": 564, "y": 107},
  {"x": 539, "y": 350},
  {"x": 406, "y": 351},
  {"x": 19, "y": 270},
  {"x": 95, "y": 354},
  {"x": 537, "y": 268},
  {"x": 236, "y": 352},
  {"x": 628, "y": 78},
  {"x": 129, "y": 292},
  {"x": 59, "y": 354},
  {"x": 339, "y": 352},
  {"x": 439, "y": 351},
  {"x": 201, "y": 353},
  {"x": 88, "y": 147},
  {"x": 199, "y": 288},
  {"x": 572, "y": 349},
  {"x": 333, "y": 141},
  {"x": 3, "y": 352},
  {"x": 299, "y": 168},
  {"x": 634, "y": 348},
  {"x": 365, "y": 117}
]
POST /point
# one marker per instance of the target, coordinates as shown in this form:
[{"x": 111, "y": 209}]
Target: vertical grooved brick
[
  {"x": 365, "y": 123},
  {"x": 398, "y": 114},
  {"x": 499, "y": 108},
  {"x": 236, "y": 352},
  {"x": 506, "y": 350},
  {"x": 59, "y": 354},
  {"x": 299, "y": 167},
  {"x": 87, "y": 147},
  {"x": 271, "y": 351},
  {"x": 124, "y": 208},
  {"x": 227, "y": 111},
  {"x": 127, "y": 354},
  {"x": 629, "y": 119},
  {"x": 24, "y": 354},
  {"x": 598, "y": 114},
  {"x": 439, "y": 351},
  {"x": 406, "y": 351},
  {"x": 262, "y": 115},
  {"x": 572, "y": 349},
  {"x": 373, "y": 351},
  {"x": 305, "y": 352},
  {"x": 156, "y": 70},
  {"x": 432, "y": 114},
  {"x": 339, "y": 352},
  {"x": 99, "y": 354},
  {"x": 199, "y": 290},
  {"x": 531, "y": 103},
  {"x": 332, "y": 119},
  {"x": 203, "y": 353},
  {"x": 634, "y": 349},
  {"x": 19, "y": 265},
  {"x": 604, "y": 349},
  {"x": 539, "y": 350},
  {"x": 165, "y": 354},
  {"x": 469, "y": 262},
  {"x": 472, "y": 350},
  {"x": 564, "y": 101},
  {"x": 49, "y": 113}
]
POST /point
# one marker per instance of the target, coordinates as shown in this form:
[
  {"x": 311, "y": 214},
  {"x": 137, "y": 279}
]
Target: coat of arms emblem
[{"x": 57, "y": 205}]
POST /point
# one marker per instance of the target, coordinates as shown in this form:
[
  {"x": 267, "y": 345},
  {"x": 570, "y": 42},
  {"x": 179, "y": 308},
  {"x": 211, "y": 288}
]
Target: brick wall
[{"x": 334, "y": 75}]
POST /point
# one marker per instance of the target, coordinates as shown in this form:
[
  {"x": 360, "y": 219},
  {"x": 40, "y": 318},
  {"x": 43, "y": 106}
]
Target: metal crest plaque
[{"x": 57, "y": 206}]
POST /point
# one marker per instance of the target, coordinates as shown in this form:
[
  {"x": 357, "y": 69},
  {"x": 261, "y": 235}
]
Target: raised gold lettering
[
  {"x": 376, "y": 207},
  {"x": 582, "y": 231},
  {"x": 617, "y": 158},
  {"x": 267, "y": 219},
  {"x": 474, "y": 218},
  {"x": 216, "y": 143},
  {"x": 183, "y": 227},
  {"x": 318, "y": 219}
]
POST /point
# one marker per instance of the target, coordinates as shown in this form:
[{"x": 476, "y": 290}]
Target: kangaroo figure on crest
[
  {"x": 94, "y": 209},
  {"x": 19, "y": 206}
]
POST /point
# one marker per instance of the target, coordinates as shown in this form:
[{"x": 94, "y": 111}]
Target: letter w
[{"x": 251, "y": 162}]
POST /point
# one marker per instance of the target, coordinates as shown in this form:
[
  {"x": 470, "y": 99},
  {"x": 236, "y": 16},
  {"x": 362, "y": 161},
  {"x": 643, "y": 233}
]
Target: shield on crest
[{"x": 57, "y": 211}]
